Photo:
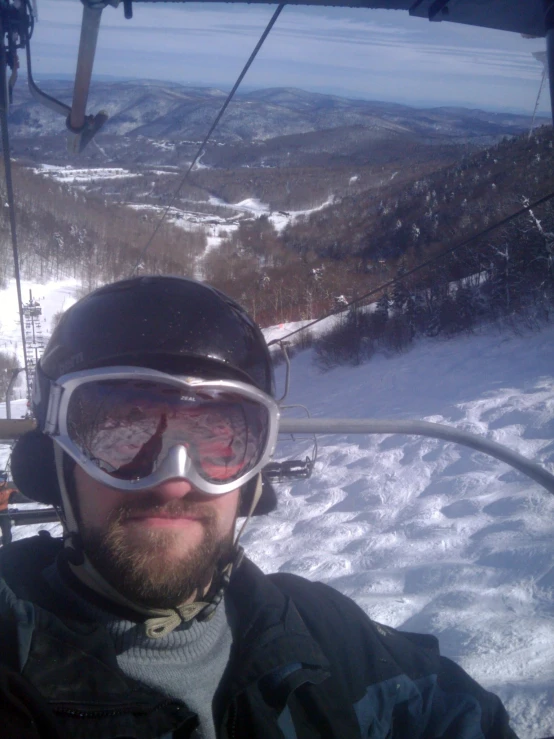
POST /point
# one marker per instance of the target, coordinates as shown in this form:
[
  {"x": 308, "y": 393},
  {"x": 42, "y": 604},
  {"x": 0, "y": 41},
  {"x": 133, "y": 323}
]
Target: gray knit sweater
[{"x": 187, "y": 664}]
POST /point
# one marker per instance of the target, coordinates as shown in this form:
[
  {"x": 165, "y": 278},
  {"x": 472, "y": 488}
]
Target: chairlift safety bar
[{"x": 12, "y": 429}]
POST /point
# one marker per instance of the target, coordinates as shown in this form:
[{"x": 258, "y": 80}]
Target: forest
[{"x": 320, "y": 263}]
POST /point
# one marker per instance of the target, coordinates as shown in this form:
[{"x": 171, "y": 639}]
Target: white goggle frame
[{"x": 177, "y": 463}]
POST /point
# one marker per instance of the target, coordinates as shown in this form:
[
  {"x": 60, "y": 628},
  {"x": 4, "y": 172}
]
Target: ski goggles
[{"x": 132, "y": 428}]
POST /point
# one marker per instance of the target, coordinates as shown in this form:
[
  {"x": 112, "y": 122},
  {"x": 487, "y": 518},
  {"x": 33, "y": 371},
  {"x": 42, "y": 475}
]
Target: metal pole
[
  {"x": 85, "y": 61},
  {"x": 418, "y": 428},
  {"x": 549, "y": 23},
  {"x": 32, "y": 316},
  {"x": 543, "y": 79},
  {"x": 14, "y": 428},
  {"x": 9, "y": 188}
]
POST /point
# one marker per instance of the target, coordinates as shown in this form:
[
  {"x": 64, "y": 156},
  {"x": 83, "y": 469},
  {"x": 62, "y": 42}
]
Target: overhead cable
[
  {"x": 230, "y": 96},
  {"x": 4, "y": 102},
  {"x": 419, "y": 267}
]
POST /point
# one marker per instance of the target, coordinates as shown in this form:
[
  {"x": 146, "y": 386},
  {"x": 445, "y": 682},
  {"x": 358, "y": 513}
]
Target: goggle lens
[{"x": 128, "y": 427}]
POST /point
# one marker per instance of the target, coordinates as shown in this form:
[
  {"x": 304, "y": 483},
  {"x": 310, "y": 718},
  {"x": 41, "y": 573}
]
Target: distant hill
[
  {"x": 448, "y": 204},
  {"x": 265, "y": 128},
  {"x": 343, "y": 193}
]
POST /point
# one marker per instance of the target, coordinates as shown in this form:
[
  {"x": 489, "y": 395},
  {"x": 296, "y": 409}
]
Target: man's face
[{"x": 157, "y": 547}]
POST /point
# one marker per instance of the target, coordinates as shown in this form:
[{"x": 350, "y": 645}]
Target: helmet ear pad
[
  {"x": 34, "y": 469},
  {"x": 267, "y": 502}
]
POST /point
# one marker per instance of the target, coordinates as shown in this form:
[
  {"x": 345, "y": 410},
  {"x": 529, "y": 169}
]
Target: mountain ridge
[{"x": 181, "y": 116}]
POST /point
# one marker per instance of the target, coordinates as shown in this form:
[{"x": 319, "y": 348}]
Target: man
[
  {"x": 6, "y": 494},
  {"x": 156, "y": 414}
]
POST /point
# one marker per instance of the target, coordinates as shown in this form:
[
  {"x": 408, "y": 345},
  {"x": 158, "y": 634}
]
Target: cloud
[{"x": 369, "y": 54}]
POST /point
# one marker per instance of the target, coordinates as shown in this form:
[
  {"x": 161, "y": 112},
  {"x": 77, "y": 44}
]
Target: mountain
[
  {"x": 299, "y": 200},
  {"x": 163, "y": 124},
  {"x": 446, "y": 205}
]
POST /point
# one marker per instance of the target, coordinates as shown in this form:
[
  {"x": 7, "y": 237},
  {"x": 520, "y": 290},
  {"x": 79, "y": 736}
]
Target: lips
[
  {"x": 177, "y": 523},
  {"x": 167, "y": 512},
  {"x": 162, "y": 521},
  {"x": 162, "y": 516}
]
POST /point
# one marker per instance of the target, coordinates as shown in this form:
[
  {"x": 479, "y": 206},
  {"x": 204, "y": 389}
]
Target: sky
[{"x": 357, "y": 53}]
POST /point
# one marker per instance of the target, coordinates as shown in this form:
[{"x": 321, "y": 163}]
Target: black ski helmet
[{"x": 171, "y": 324}]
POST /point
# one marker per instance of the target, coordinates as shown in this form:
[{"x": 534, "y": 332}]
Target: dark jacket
[{"x": 306, "y": 663}]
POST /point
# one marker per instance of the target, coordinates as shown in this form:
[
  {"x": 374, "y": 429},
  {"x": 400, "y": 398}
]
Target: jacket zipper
[
  {"x": 233, "y": 720},
  {"x": 107, "y": 712}
]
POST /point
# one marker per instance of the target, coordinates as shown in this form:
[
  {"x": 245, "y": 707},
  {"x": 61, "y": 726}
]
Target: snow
[
  {"x": 163, "y": 145},
  {"x": 161, "y": 172},
  {"x": 425, "y": 535},
  {"x": 194, "y": 220},
  {"x": 428, "y": 536},
  {"x": 72, "y": 175},
  {"x": 216, "y": 234},
  {"x": 279, "y": 219},
  {"x": 199, "y": 164},
  {"x": 187, "y": 220},
  {"x": 282, "y": 330}
]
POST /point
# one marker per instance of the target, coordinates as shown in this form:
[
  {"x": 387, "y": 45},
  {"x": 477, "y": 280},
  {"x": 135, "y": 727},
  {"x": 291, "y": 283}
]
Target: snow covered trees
[
  {"x": 507, "y": 278},
  {"x": 66, "y": 233}
]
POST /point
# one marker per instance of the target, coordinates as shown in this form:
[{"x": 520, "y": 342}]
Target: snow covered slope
[{"x": 429, "y": 536}]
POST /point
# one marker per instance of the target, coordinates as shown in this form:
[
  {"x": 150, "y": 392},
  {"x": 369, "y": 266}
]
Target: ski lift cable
[
  {"x": 4, "y": 102},
  {"x": 540, "y": 56},
  {"x": 200, "y": 151},
  {"x": 419, "y": 267}
]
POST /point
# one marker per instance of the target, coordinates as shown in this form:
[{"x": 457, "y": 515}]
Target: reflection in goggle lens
[{"x": 128, "y": 427}]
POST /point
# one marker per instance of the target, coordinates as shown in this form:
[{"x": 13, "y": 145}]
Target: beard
[{"x": 137, "y": 562}]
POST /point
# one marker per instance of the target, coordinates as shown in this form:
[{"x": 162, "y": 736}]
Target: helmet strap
[
  {"x": 69, "y": 520},
  {"x": 224, "y": 577}
]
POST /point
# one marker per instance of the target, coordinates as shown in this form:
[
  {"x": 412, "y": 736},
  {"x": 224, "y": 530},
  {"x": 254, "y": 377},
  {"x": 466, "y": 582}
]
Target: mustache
[{"x": 151, "y": 505}]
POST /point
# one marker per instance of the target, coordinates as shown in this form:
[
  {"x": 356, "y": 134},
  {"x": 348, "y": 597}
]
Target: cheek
[
  {"x": 228, "y": 506},
  {"x": 95, "y": 501}
]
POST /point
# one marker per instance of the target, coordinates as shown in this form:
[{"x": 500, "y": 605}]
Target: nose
[{"x": 171, "y": 489}]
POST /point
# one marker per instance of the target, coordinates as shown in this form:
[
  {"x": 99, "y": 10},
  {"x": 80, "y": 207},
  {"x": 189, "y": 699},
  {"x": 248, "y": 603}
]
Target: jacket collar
[
  {"x": 271, "y": 637},
  {"x": 263, "y": 615},
  {"x": 271, "y": 640}
]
